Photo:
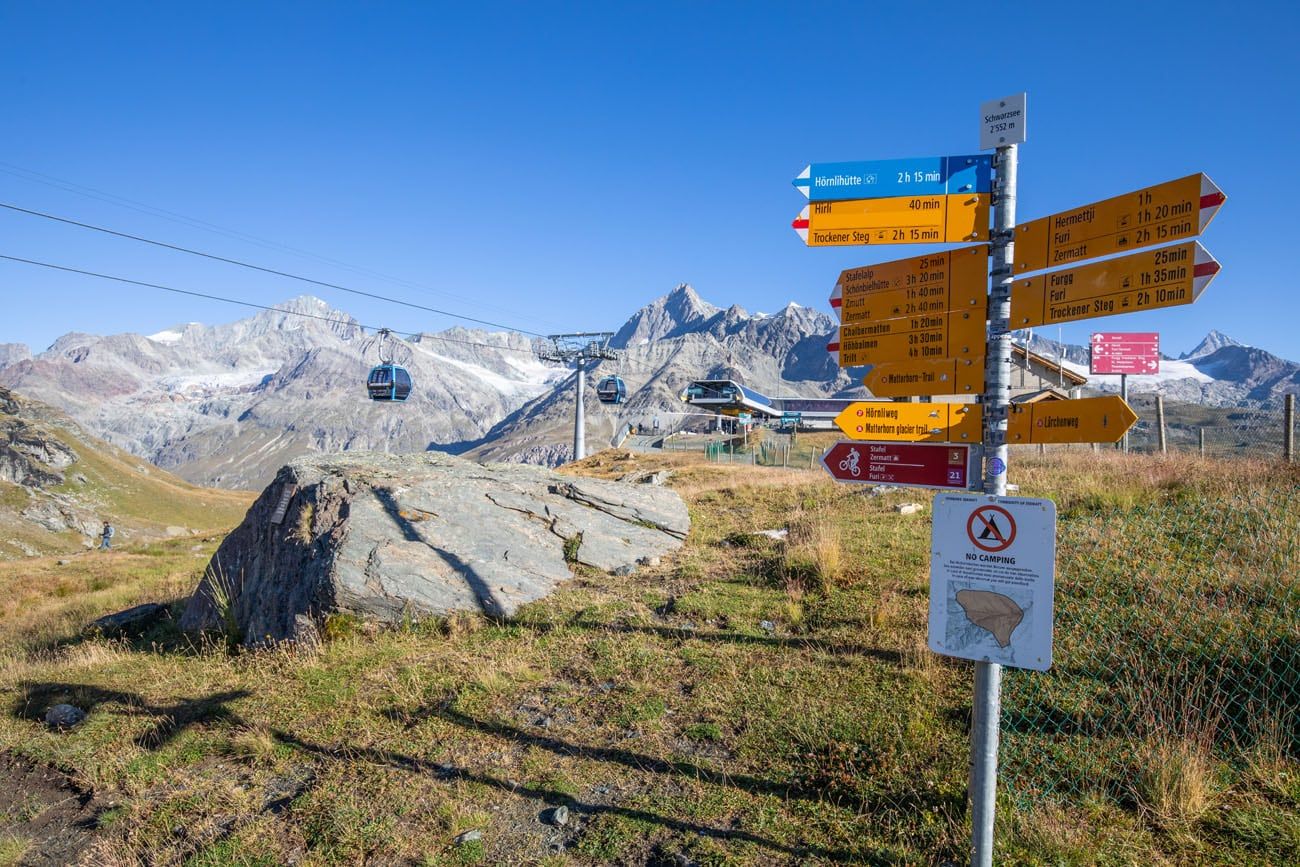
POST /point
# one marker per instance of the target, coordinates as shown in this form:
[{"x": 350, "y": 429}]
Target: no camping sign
[{"x": 992, "y": 579}]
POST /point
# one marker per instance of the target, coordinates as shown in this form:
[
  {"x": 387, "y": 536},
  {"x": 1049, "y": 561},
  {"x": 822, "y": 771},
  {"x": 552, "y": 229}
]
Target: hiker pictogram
[{"x": 991, "y": 528}]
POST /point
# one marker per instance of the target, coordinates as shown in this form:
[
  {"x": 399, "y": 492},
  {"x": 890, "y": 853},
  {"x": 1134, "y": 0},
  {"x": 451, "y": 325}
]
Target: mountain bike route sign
[
  {"x": 992, "y": 577},
  {"x": 915, "y": 465}
]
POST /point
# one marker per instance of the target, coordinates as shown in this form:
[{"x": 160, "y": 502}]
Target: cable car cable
[
  {"x": 254, "y": 305},
  {"x": 195, "y": 223},
  {"x": 274, "y": 271}
]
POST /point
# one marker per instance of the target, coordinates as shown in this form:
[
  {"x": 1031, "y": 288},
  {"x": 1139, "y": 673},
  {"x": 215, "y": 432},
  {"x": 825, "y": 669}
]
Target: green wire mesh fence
[{"x": 1177, "y": 651}]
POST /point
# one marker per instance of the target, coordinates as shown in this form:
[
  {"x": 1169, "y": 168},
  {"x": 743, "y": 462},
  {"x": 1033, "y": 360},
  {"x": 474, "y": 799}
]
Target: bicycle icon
[{"x": 850, "y": 464}]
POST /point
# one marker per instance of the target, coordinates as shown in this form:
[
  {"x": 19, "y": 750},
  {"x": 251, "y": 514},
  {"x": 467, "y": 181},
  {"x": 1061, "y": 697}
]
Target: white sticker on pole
[
  {"x": 1002, "y": 121},
  {"x": 992, "y": 577}
]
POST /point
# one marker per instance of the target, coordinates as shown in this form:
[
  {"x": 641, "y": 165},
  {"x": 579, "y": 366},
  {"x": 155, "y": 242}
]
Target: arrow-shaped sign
[
  {"x": 1086, "y": 420},
  {"x": 1144, "y": 218},
  {"x": 899, "y": 220},
  {"x": 917, "y": 465},
  {"x": 874, "y": 179},
  {"x": 960, "y": 334},
  {"x": 1164, "y": 277},
  {"x": 911, "y": 422},
  {"x": 936, "y": 283},
  {"x": 934, "y": 376}
]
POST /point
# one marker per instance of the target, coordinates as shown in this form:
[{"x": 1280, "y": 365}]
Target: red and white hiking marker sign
[
  {"x": 991, "y": 528},
  {"x": 992, "y": 574}
]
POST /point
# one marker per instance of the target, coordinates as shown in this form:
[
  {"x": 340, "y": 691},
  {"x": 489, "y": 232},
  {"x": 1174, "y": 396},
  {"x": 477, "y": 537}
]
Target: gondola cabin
[
  {"x": 611, "y": 390},
  {"x": 389, "y": 382}
]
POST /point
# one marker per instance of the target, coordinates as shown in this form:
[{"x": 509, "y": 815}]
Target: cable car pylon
[{"x": 579, "y": 350}]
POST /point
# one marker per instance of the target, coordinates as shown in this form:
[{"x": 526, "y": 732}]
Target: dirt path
[{"x": 40, "y": 807}]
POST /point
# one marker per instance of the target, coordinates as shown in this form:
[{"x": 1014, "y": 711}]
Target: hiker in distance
[{"x": 106, "y": 535}]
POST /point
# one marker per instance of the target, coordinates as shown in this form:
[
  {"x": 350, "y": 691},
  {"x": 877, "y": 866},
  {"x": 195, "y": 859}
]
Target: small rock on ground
[
  {"x": 64, "y": 716},
  {"x": 559, "y": 817},
  {"x": 129, "y": 620},
  {"x": 468, "y": 837},
  {"x": 908, "y": 508}
]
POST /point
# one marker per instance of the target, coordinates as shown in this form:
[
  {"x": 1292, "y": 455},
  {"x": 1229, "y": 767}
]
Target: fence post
[
  {"x": 1202, "y": 442},
  {"x": 1160, "y": 420},
  {"x": 1288, "y": 431}
]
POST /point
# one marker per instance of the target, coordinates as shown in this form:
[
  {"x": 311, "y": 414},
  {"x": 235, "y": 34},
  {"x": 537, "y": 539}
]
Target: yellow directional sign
[
  {"x": 1156, "y": 215},
  {"x": 1165, "y": 277},
  {"x": 960, "y": 334},
  {"x": 896, "y": 220},
  {"x": 912, "y": 422},
  {"x": 937, "y": 283},
  {"x": 1087, "y": 420},
  {"x": 934, "y": 376}
]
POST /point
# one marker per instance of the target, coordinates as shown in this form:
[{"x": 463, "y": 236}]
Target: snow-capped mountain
[
  {"x": 229, "y": 404},
  {"x": 1219, "y": 372}
]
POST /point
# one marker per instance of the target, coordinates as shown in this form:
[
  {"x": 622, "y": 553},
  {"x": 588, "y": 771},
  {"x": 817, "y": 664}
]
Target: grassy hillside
[
  {"x": 746, "y": 701},
  {"x": 104, "y": 483}
]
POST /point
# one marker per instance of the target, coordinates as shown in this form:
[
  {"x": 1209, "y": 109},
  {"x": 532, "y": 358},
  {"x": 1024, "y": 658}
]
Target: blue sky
[{"x": 554, "y": 166}]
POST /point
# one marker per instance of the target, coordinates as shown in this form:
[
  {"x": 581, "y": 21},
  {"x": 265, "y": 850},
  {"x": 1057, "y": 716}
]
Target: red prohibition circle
[{"x": 986, "y": 533}]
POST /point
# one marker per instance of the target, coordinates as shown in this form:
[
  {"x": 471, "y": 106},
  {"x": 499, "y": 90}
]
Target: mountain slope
[
  {"x": 1218, "y": 372},
  {"x": 229, "y": 404},
  {"x": 779, "y": 354},
  {"x": 58, "y": 483}
]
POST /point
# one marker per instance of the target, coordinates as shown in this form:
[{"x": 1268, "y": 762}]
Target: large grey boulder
[{"x": 392, "y": 536}]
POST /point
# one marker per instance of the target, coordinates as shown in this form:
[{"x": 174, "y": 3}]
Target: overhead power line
[
  {"x": 211, "y": 297},
  {"x": 33, "y": 176},
  {"x": 264, "y": 270}
]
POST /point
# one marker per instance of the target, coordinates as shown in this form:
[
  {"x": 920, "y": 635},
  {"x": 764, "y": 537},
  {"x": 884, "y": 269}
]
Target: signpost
[
  {"x": 917, "y": 465},
  {"x": 992, "y": 577},
  {"x": 935, "y": 283},
  {"x": 1156, "y": 215},
  {"x": 933, "y": 376},
  {"x": 888, "y": 421},
  {"x": 1124, "y": 353},
  {"x": 899, "y": 220},
  {"x": 941, "y": 335},
  {"x": 874, "y": 179},
  {"x": 1117, "y": 353},
  {"x": 1002, "y": 121},
  {"x": 1088, "y": 420},
  {"x": 1164, "y": 277},
  {"x": 924, "y": 328}
]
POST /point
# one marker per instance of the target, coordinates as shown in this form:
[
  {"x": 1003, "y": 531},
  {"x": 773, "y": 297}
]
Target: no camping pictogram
[{"x": 991, "y": 528}]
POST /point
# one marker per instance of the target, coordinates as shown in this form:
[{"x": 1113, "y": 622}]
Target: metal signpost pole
[
  {"x": 1123, "y": 395},
  {"x": 987, "y": 711}
]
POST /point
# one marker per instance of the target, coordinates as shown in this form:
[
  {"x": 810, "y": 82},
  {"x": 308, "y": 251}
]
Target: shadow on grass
[
  {"x": 683, "y": 633},
  {"x": 889, "y": 802},
  {"x": 450, "y": 773},
  {"x": 168, "y": 721}
]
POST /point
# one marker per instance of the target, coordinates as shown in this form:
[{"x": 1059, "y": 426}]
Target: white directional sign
[{"x": 992, "y": 574}]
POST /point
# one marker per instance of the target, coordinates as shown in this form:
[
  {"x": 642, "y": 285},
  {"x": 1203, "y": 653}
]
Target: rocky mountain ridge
[
  {"x": 229, "y": 404},
  {"x": 1219, "y": 371}
]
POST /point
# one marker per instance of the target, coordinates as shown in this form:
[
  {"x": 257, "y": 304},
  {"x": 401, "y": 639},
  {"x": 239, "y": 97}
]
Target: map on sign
[{"x": 992, "y": 573}]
